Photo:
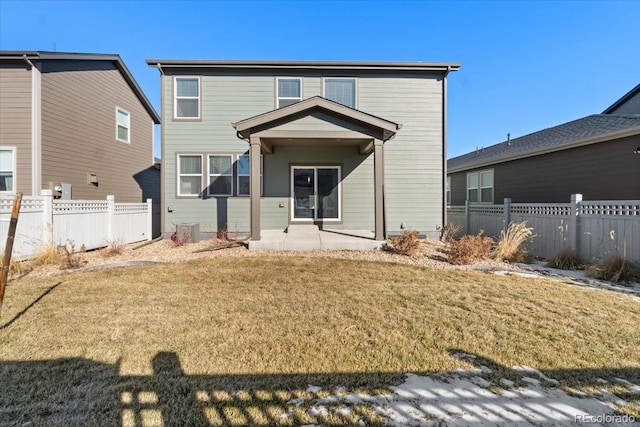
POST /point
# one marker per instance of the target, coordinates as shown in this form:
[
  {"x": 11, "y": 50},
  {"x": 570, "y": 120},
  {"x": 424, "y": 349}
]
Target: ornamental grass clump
[
  {"x": 510, "y": 245},
  {"x": 616, "y": 269},
  {"x": 566, "y": 259}
]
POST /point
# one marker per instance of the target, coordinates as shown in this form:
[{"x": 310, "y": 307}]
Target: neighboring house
[
  {"x": 255, "y": 145},
  {"x": 73, "y": 122},
  {"x": 596, "y": 156}
]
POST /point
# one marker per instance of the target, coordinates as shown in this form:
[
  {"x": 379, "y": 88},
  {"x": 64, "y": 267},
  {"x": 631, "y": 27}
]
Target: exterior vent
[{"x": 188, "y": 233}]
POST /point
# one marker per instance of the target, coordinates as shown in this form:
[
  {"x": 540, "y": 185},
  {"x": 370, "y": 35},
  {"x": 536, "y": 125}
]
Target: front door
[{"x": 315, "y": 193}]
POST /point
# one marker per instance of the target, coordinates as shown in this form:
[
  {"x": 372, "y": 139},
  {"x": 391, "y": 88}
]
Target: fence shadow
[{"x": 77, "y": 391}]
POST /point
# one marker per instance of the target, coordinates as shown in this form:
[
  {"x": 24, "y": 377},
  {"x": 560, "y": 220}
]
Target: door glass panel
[
  {"x": 303, "y": 193},
  {"x": 328, "y": 193}
]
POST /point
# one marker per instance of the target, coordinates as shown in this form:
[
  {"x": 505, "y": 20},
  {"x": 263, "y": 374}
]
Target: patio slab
[{"x": 310, "y": 238}]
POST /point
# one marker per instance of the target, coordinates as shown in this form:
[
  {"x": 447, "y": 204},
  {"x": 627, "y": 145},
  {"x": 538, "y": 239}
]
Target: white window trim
[
  {"x": 179, "y": 174},
  {"x": 355, "y": 79},
  {"x": 175, "y": 97},
  {"x": 119, "y": 110},
  {"x": 238, "y": 175},
  {"x": 14, "y": 172},
  {"x": 288, "y": 98},
  {"x": 209, "y": 175},
  {"x": 315, "y": 189},
  {"x": 480, "y": 187}
]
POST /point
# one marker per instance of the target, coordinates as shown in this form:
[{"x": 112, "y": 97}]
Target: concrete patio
[{"x": 310, "y": 238}]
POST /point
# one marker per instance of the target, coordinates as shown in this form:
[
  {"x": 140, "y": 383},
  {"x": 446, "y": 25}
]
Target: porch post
[
  {"x": 378, "y": 162},
  {"x": 254, "y": 156}
]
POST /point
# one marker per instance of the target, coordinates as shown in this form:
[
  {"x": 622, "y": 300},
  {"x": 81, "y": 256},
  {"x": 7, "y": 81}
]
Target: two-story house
[
  {"x": 75, "y": 123},
  {"x": 255, "y": 145}
]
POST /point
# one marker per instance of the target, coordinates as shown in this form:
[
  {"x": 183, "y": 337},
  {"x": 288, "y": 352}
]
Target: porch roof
[{"x": 246, "y": 127}]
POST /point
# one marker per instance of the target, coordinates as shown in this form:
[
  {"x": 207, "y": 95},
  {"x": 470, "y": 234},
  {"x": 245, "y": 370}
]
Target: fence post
[
  {"x": 467, "y": 214},
  {"x": 507, "y": 213},
  {"x": 574, "y": 223},
  {"x": 111, "y": 213},
  {"x": 149, "y": 219},
  {"x": 47, "y": 217}
]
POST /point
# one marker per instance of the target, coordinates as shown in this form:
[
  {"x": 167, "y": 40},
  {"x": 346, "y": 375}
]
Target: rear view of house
[
  {"x": 77, "y": 124},
  {"x": 255, "y": 145}
]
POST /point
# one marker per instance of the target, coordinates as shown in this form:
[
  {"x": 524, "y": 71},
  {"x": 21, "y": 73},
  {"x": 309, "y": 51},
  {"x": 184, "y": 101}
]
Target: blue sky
[{"x": 526, "y": 65}]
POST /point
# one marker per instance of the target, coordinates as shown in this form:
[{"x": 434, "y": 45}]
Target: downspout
[{"x": 36, "y": 131}]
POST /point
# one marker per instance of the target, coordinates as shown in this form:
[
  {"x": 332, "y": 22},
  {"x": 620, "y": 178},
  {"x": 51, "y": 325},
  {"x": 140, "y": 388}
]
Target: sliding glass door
[{"x": 315, "y": 193}]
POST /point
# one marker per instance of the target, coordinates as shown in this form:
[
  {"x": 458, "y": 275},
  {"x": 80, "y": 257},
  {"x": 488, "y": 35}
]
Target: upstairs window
[
  {"x": 189, "y": 175},
  {"x": 7, "y": 169},
  {"x": 341, "y": 90},
  {"x": 289, "y": 91},
  {"x": 187, "y": 98},
  {"x": 123, "y": 125},
  {"x": 480, "y": 186}
]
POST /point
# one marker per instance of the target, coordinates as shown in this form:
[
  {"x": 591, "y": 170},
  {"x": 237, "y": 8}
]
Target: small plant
[
  {"x": 113, "y": 248},
  {"x": 449, "y": 232},
  {"x": 179, "y": 239},
  {"x": 406, "y": 244},
  {"x": 47, "y": 255},
  {"x": 509, "y": 246},
  {"x": 615, "y": 269},
  {"x": 222, "y": 234},
  {"x": 70, "y": 258},
  {"x": 469, "y": 249},
  {"x": 565, "y": 260}
]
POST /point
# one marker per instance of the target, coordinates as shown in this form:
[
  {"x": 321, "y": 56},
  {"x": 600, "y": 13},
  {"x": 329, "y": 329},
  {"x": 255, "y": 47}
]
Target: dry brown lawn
[{"x": 231, "y": 341}]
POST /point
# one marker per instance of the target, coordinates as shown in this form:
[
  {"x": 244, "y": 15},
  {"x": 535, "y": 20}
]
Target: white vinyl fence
[
  {"x": 592, "y": 229},
  {"x": 89, "y": 223}
]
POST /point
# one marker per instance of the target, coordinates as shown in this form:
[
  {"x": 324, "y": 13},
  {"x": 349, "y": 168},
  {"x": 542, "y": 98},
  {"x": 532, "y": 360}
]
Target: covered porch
[{"x": 313, "y": 150}]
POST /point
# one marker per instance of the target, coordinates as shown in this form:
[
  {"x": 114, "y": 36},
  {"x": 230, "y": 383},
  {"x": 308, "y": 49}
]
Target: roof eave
[{"x": 578, "y": 143}]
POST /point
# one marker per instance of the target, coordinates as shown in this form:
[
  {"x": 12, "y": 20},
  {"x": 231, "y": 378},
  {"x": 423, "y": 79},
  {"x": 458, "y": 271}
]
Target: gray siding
[
  {"x": 413, "y": 159},
  {"x": 630, "y": 106},
  {"x": 79, "y": 100},
  {"x": 603, "y": 171},
  {"x": 15, "y": 118}
]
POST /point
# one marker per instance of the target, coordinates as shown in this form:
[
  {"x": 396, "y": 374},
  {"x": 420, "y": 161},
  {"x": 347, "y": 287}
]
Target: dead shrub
[
  {"x": 70, "y": 258},
  {"x": 179, "y": 239},
  {"x": 469, "y": 249},
  {"x": 113, "y": 248},
  {"x": 406, "y": 244},
  {"x": 449, "y": 232},
  {"x": 47, "y": 255},
  {"x": 222, "y": 234},
  {"x": 566, "y": 259},
  {"x": 616, "y": 269},
  {"x": 509, "y": 246}
]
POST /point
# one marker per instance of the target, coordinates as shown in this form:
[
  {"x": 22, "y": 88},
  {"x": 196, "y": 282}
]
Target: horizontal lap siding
[
  {"x": 413, "y": 159},
  {"x": 79, "y": 100},
  {"x": 15, "y": 119}
]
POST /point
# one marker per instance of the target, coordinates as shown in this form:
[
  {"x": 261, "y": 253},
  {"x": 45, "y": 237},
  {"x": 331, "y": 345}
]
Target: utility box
[
  {"x": 66, "y": 191},
  {"x": 187, "y": 233}
]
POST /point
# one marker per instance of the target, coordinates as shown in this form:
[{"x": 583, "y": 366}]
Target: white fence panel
[
  {"x": 30, "y": 231},
  {"x": 130, "y": 222},
  {"x": 81, "y": 222}
]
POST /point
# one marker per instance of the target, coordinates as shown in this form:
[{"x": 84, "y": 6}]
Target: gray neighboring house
[
  {"x": 256, "y": 145},
  {"x": 74, "y": 121},
  {"x": 597, "y": 156}
]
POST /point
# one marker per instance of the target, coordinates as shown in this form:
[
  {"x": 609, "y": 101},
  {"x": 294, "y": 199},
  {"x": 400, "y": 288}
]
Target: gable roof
[
  {"x": 43, "y": 56},
  {"x": 626, "y": 97},
  {"x": 316, "y": 103},
  {"x": 587, "y": 130},
  {"x": 306, "y": 65}
]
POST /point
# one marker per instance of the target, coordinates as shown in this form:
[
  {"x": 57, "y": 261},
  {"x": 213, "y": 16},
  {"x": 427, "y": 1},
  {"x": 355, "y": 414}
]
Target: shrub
[
  {"x": 70, "y": 258},
  {"x": 222, "y": 234},
  {"x": 469, "y": 249},
  {"x": 449, "y": 232},
  {"x": 565, "y": 260},
  {"x": 179, "y": 239},
  {"x": 113, "y": 248},
  {"x": 509, "y": 246},
  {"x": 615, "y": 269},
  {"x": 47, "y": 255},
  {"x": 406, "y": 244}
]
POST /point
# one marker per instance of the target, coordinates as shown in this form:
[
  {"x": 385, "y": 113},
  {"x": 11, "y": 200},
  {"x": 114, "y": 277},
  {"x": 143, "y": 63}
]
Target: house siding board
[
  {"x": 603, "y": 171},
  {"x": 79, "y": 100},
  {"x": 413, "y": 159},
  {"x": 630, "y": 106},
  {"x": 15, "y": 118}
]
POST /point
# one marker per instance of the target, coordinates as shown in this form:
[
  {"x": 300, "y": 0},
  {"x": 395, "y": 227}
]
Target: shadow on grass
[
  {"x": 78, "y": 391},
  {"x": 27, "y": 308}
]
